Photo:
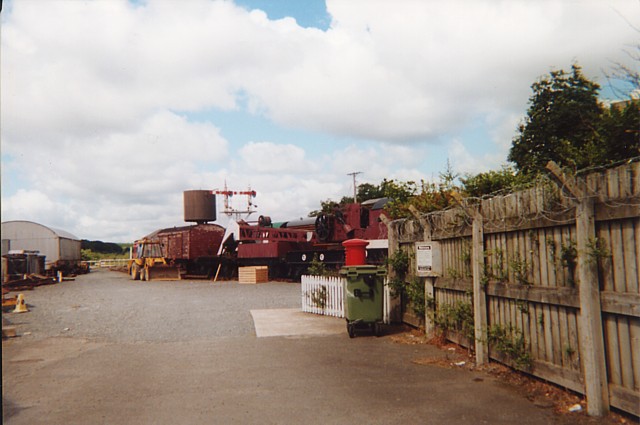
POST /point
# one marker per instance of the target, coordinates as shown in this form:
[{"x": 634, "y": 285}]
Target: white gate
[{"x": 323, "y": 295}]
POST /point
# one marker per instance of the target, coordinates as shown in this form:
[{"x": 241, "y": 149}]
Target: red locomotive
[{"x": 288, "y": 248}]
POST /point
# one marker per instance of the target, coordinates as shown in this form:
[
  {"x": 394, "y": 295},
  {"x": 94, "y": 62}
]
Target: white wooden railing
[
  {"x": 114, "y": 262},
  {"x": 323, "y": 295}
]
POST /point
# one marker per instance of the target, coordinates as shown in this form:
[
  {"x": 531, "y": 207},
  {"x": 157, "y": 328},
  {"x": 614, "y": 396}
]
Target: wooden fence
[{"x": 546, "y": 279}]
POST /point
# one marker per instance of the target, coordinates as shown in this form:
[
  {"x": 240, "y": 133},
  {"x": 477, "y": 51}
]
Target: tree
[
  {"x": 368, "y": 191},
  {"x": 490, "y": 182},
  {"x": 448, "y": 176},
  {"x": 620, "y": 127},
  {"x": 561, "y": 124}
]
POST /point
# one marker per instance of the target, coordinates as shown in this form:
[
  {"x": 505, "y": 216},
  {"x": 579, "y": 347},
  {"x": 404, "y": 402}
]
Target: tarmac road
[{"x": 106, "y": 350}]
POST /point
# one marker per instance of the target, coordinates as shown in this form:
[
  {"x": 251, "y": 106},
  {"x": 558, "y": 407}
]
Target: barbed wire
[{"x": 553, "y": 199}]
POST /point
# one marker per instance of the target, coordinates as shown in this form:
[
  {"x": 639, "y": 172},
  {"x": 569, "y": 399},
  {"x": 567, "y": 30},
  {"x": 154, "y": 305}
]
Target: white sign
[
  {"x": 424, "y": 257},
  {"x": 428, "y": 261}
]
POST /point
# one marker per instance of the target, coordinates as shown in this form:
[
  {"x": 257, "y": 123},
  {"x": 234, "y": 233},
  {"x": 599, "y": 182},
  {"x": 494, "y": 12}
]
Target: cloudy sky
[{"x": 110, "y": 109}]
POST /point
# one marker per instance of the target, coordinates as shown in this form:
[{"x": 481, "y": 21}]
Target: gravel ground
[
  {"x": 104, "y": 349},
  {"x": 108, "y": 306}
]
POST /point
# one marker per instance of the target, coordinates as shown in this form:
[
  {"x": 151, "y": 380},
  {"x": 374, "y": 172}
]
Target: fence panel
[
  {"x": 323, "y": 295},
  {"x": 530, "y": 277}
]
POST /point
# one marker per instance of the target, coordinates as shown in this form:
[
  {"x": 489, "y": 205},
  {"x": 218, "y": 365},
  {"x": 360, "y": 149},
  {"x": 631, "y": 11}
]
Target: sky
[{"x": 110, "y": 109}]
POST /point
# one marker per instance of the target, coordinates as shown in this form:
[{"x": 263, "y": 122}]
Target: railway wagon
[{"x": 194, "y": 248}]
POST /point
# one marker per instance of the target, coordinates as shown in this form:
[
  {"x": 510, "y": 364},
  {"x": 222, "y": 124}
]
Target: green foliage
[
  {"x": 398, "y": 284},
  {"x": 432, "y": 197},
  {"x": 98, "y": 250},
  {"x": 448, "y": 177},
  {"x": 318, "y": 297},
  {"x": 400, "y": 194},
  {"x": 89, "y": 255},
  {"x": 520, "y": 269},
  {"x": 620, "y": 131},
  {"x": 101, "y": 247},
  {"x": 318, "y": 268},
  {"x": 329, "y": 206},
  {"x": 597, "y": 250},
  {"x": 510, "y": 341},
  {"x": 399, "y": 263},
  {"x": 498, "y": 271},
  {"x": 415, "y": 293},
  {"x": 369, "y": 191},
  {"x": 491, "y": 182},
  {"x": 561, "y": 124},
  {"x": 565, "y": 123},
  {"x": 569, "y": 257},
  {"x": 456, "y": 317}
]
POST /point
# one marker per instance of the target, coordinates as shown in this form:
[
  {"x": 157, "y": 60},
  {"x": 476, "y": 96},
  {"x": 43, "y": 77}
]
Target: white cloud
[
  {"x": 35, "y": 205},
  {"x": 106, "y": 104},
  {"x": 409, "y": 70},
  {"x": 267, "y": 157},
  {"x": 464, "y": 162}
]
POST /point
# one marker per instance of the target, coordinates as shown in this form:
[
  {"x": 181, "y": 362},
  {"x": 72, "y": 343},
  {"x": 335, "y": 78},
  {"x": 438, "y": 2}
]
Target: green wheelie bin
[{"x": 363, "y": 297}]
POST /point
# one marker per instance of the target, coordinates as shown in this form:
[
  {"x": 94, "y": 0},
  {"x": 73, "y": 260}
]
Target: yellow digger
[{"x": 150, "y": 263}]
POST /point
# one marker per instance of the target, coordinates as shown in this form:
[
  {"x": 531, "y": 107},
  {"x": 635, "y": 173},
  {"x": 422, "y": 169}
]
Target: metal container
[{"x": 199, "y": 206}]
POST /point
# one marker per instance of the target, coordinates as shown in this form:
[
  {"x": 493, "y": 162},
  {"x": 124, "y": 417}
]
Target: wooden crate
[{"x": 256, "y": 274}]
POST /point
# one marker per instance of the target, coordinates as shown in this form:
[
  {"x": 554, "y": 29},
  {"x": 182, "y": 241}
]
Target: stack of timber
[
  {"x": 29, "y": 282},
  {"x": 256, "y": 274}
]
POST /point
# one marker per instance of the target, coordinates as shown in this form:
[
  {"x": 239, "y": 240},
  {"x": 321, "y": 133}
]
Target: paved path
[
  {"x": 105, "y": 350},
  {"x": 293, "y": 322}
]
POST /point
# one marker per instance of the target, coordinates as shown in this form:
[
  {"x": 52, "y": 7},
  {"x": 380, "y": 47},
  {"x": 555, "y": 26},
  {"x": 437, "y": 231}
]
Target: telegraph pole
[{"x": 355, "y": 187}]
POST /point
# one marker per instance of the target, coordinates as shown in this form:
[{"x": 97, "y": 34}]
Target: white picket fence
[{"x": 323, "y": 295}]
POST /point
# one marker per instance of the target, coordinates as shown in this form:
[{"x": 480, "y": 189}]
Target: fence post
[
  {"x": 393, "y": 313},
  {"x": 590, "y": 329},
  {"x": 429, "y": 294},
  {"x": 592, "y": 350},
  {"x": 429, "y": 282},
  {"x": 479, "y": 295}
]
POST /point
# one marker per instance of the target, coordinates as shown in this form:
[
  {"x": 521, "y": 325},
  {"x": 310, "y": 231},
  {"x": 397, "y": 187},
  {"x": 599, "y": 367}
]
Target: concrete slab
[{"x": 293, "y": 322}]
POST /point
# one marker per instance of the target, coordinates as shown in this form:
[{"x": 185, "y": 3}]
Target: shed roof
[{"x": 57, "y": 232}]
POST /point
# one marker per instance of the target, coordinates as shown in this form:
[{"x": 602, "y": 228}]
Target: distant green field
[{"x": 98, "y": 250}]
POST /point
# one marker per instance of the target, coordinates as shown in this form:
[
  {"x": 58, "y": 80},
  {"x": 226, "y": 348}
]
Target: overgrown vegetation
[
  {"x": 597, "y": 250},
  {"x": 398, "y": 284},
  {"x": 510, "y": 341},
  {"x": 492, "y": 182},
  {"x": 520, "y": 269},
  {"x": 456, "y": 317},
  {"x": 399, "y": 263},
  {"x": 495, "y": 266},
  {"x": 415, "y": 293}
]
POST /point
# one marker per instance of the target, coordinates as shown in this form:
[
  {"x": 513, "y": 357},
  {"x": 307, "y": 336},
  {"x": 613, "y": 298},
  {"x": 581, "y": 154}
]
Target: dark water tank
[{"x": 199, "y": 206}]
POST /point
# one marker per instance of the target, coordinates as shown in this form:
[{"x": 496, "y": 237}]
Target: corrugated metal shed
[{"x": 57, "y": 245}]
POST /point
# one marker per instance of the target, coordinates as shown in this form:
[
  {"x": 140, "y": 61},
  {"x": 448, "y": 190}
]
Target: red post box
[{"x": 355, "y": 252}]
